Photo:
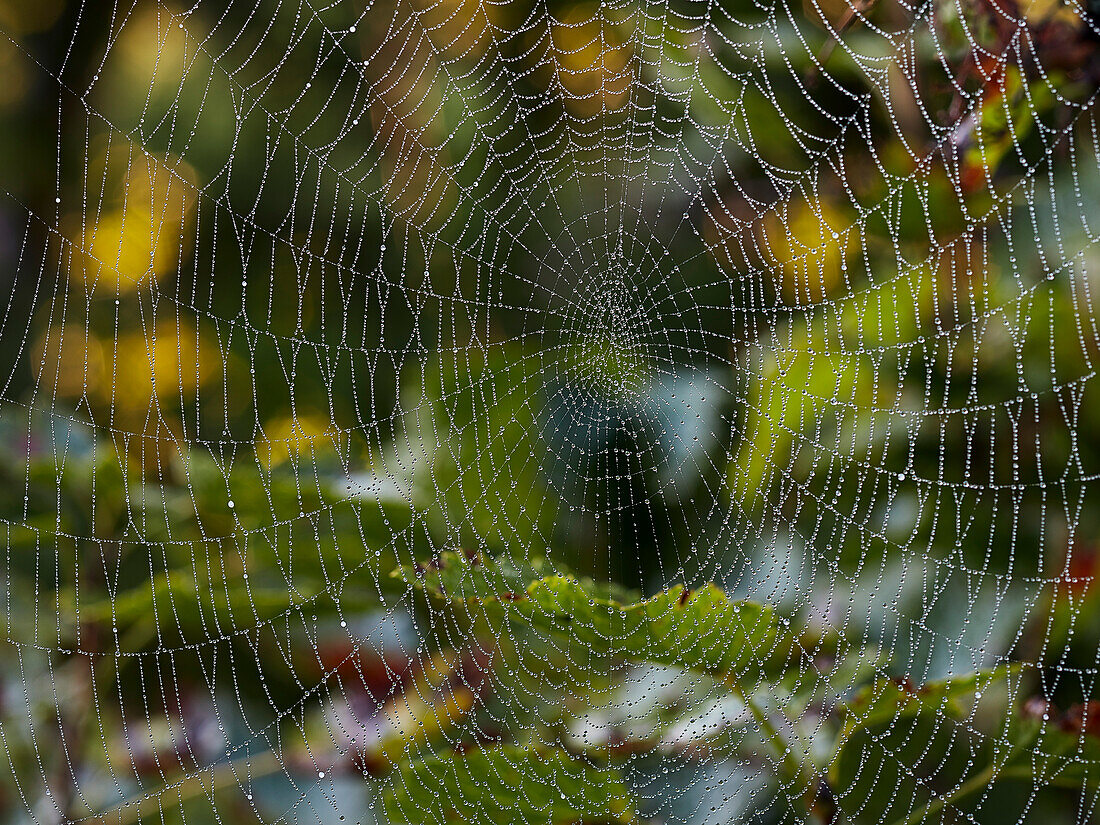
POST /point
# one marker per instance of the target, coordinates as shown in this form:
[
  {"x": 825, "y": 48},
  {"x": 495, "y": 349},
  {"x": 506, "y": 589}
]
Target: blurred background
[{"x": 798, "y": 297}]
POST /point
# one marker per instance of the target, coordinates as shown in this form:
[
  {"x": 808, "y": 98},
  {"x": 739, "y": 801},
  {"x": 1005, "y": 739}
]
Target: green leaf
[
  {"x": 699, "y": 630},
  {"x": 804, "y": 381},
  {"x": 916, "y": 771},
  {"x": 480, "y": 411},
  {"x": 887, "y": 699},
  {"x": 507, "y": 784},
  {"x": 1007, "y": 114},
  {"x": 904, "y": 751},
  {"x": 1061, "y": 750}
]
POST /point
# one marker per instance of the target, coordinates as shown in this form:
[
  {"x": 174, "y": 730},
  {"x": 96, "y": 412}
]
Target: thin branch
[{"x": 854, "y": 14}]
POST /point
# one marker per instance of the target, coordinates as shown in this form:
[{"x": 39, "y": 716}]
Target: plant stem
[
  {"x": 222, "y": 775},
  {"x": 792, "y": 767},
  {"x": 934, "y": 806},
  {"x": 772, "y": 734}
]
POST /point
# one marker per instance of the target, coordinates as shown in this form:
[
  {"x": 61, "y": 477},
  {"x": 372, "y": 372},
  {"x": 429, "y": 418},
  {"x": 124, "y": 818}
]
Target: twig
[{"x": 851, "y": 17}]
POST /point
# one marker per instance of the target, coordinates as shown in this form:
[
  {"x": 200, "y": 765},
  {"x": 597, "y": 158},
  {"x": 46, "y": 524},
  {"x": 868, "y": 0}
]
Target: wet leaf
[{"x": 507, "y": 784}]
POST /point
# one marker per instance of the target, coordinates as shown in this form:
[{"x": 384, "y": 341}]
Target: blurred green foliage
[{"x": 266, "y": 342}]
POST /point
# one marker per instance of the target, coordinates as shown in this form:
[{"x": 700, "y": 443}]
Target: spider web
[{"x": 794, "y": 298}]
